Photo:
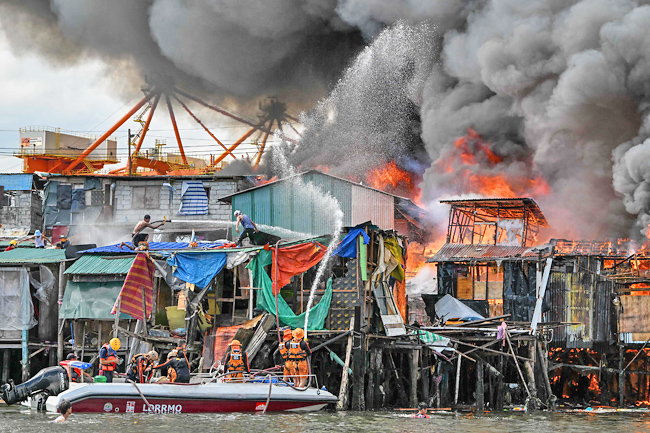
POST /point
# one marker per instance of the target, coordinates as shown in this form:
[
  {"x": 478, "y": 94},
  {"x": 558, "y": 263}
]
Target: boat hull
[{"x": 190, "y": 398}]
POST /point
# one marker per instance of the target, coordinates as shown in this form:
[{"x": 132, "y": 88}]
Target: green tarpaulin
[
  {"x": 90, "y": 300},
  {"x": 266, "y": 300}
]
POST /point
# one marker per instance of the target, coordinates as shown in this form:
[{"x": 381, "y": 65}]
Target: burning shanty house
[{"x": 586, "y": 301}]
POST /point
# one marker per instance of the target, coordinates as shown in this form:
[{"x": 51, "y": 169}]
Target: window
[{"x": 145, "y": 197}]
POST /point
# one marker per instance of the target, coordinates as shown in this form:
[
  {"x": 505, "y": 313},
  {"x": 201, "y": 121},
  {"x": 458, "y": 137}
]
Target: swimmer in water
[
  {"x": 422, "y": 412},
  {"x": 65, "y": 408}
]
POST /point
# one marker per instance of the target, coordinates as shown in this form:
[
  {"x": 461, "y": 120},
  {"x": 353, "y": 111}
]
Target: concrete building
[
  {"x": 104, "y": 209},
  {"x": 21, "y": 204}
]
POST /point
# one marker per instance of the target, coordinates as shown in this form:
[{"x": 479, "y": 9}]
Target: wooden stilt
[
  {"x": 621, "y": 376},
  {"x": 415, "y": 366},
  {"x": 543, "y": 365},
  {"x": 400, "y": 387},
  {"x": 500, "y": 385},
  {"x": 342, "y": 404},
  {"x": 480, "y": 391},
  {"x": 457, "y": 388},
  {"x": 372, "y": 377},
  {"x": 425, "y": 359},
  {"x": 5, "y": 365}
]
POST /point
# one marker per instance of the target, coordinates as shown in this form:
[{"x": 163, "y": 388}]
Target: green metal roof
[
  {"x": 90, "y": 264},
  {"x": 32, "y": 255},
  {"x": 5, "y": 244}
]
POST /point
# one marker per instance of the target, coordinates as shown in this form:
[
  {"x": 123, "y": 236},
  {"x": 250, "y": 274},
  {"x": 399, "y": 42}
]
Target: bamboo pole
[{"x": 343, "y": 392}]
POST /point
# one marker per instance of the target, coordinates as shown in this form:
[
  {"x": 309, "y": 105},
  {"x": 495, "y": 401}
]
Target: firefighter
[
  {"x": 298, "y": 352},
  {"x": 141, "y": 367},
  {"x": 108, "y": 360},
  {"x": 236, "y": 361},
  {"x": 177, "y": 368},
  {"x": 280, "y": 354}
]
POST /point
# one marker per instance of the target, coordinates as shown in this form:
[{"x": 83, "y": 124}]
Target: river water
[{"x": 14, "y": 419}]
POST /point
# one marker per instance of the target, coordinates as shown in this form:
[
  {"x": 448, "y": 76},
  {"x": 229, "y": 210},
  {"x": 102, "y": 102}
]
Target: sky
[{"x": 81, "y": 98}]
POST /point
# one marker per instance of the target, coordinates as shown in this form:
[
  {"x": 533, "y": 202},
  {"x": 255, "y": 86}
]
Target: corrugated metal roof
[
  {"x": 17, "y": 182},
  {"x": 32, "y": 255},
  {"x": 290, "y": 205},
  {"x": 90, "y": 264},
  {"x": 504, "y": 203},
  {"x": 456, "y": 252},
  {"x": 153, "y": 246}
]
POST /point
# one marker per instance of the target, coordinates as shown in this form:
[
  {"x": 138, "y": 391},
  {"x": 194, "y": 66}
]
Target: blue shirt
[
  {"x": 105, "y": 353},
  {"x": 246, "y": 222}
]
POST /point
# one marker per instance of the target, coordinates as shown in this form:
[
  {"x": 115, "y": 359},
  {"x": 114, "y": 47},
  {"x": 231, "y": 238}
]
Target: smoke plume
[
  {"x": 243, "y": 50},
  {"x": 548, "y": 99}
]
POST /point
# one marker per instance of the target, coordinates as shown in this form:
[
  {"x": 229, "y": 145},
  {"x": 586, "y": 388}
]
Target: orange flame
[
  {"x": 471, "y": 150},
  {"x": 391, "y": 178}
]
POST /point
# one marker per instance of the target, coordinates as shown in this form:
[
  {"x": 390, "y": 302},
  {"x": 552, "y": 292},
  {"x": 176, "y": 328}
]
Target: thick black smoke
[
  {"x": 243, "y": 50},
  {"x": 557, "y": 88}
]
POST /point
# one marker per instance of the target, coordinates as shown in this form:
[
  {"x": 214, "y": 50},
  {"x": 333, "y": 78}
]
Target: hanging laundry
[
  {"x": 139, "y": 278},
  {"x": 194, "y": 200}
]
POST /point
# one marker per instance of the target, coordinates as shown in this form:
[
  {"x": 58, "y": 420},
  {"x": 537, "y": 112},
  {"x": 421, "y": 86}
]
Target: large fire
[
  {"x": 471, "y": 152},
  {"x": 390, "y": 178}
]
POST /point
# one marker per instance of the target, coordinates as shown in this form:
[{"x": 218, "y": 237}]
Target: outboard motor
[{"x": 49, "y": 381}]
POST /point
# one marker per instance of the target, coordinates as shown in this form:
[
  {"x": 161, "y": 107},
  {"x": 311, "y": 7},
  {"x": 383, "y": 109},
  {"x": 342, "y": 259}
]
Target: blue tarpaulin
[
  {"x": 348, "y": 246},
  {"x": 16, "y": 182},
  {"x": 197, "y": 268}
]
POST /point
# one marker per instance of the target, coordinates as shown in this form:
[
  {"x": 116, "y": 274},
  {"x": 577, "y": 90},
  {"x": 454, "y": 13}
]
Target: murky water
[{"x": 22, "y": 420}]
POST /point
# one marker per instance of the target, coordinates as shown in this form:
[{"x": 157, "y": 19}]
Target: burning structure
[{"x": 585, "y": 302}]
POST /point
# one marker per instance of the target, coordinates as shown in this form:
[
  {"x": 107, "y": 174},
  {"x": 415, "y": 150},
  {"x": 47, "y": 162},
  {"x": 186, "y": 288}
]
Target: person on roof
[
  {"x": 178, "y": 371},
  {"x": 247, "y": 224},
  {"x": 144, "y": 223},
  {"x": 63, "y": 243},
  {"x": 280, "y": 354},
  {"x": 12, "y": 245},
  {"x": 298, "y": 352},
  {"x": 140, "y": 369},
  {"x": 108, "y": 360},
  {"x": 236, "y": 361},
  {"x": 39, "y": 239}
]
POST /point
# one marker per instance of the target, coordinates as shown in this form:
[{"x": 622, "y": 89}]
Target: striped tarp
[
  {"x": 194, "y": 200},
  {"x": 139, "y": 278}
]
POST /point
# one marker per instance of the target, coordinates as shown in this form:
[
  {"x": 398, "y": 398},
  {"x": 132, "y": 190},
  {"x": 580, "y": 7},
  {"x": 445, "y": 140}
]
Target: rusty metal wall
[{"x": 576, "y": 293}]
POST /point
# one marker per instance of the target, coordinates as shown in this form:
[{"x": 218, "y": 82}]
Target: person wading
[
  {"x": 422, "y": 412},
  {"x": 177, "y": 368},
  {"x": 108, "y": 360},
  {"x": 65, "y": 409},
  {"x": 247, "y": 224},
  {"x": 297, "y": 353},
  {"x": 280, "y": 354},
  {"x": 141, "y": 367},
  {"x": 236, "y": 361}
]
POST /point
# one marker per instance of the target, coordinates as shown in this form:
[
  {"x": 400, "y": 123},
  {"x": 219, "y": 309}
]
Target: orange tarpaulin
[
  {"x": 139, "y": 278},
  {"x": 294, "y": 260},
  {"x": 222, "y": 339}
]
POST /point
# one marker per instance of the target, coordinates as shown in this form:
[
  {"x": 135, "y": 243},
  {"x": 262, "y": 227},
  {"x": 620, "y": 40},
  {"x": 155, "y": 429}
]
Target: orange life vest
[
  {"x": 236, "y": 362},
  {"x": 113, "y": 365},
  {"x": 283, "y": 350},
  {"x": 295, "y": 352}
]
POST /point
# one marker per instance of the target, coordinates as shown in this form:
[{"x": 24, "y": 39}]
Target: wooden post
[
  {"x": 458, "y": 362},
  {"x": 500, "y": 384},
  {"x": 117, "y": 316},
  {"x": 424, "y": 376},
  {"x": 342, "y": 404},
  {"x": 530, "y": 370},
  {"x": 480, "y": 403},
  {"x": 5, "y": 365},
  {"x": 379, "y": 371},
  {"x": 358, "y": 394},
  {"x": 398, "y": 381},
  {"x": 415, "y": 366},
  {"x": 621, "y": 375},
  {"x": 59, "y": 342},
  {"x": 370, "y": 390},
  {"x": 543, "y": 365}
]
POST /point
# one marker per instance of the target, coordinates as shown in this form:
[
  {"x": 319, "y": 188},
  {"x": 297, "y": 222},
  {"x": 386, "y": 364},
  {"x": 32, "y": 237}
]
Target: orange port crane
[{"x": 273, "y": 113}]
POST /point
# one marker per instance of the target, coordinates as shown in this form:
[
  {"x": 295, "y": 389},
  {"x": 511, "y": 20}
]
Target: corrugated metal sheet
[
  {"x": 153, "y": 246},
  {"x": 369, "y": 205},
  {"x": 292, "y": 205},
  {"x": 462, "y": 252},
  {"x": 17, "y": 182},
  {"x": 32, "y": 255},
  {"x": 90, "y": 264}
]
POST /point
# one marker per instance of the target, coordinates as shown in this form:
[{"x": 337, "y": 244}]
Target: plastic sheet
[
  {"x": 16, "y": 308},
  {"x": 43, "y": 281},
  {"x": 266, "y": 300}
]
